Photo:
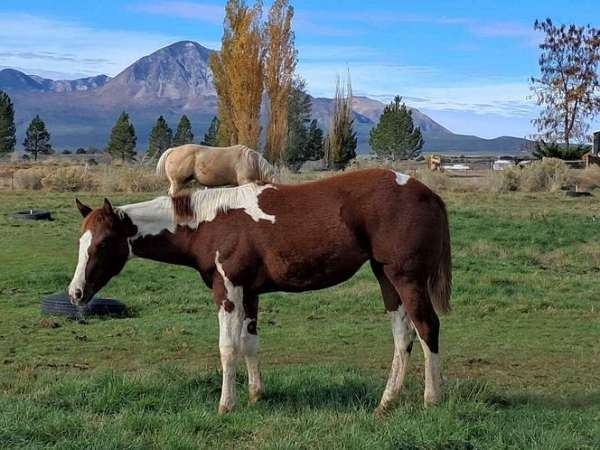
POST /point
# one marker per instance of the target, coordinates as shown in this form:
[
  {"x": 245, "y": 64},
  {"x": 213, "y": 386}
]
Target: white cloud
[{"x": 30, "y": 42}]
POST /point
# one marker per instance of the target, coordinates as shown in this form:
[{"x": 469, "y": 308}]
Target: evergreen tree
[
  {"x": 184, "y": 134},
  {"x": 395, "y": 136},
  {"x": 314, "y": 142},
  {"x": 299, "y": 109},
  {"x": 211, "y": 137},
  {"x": 37, "y": 138},
  {"x": 8, "y": 137},
  {"x": 122, "y": 139},
  {"x": 161, "y": 137}
]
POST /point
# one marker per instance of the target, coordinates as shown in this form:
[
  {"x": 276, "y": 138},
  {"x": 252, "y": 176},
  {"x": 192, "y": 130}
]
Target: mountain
[{"x": 172, "y": 81}]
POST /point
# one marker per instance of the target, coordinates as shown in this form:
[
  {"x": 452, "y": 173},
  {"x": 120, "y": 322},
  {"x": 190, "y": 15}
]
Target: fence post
[{"x": 596, "y": 148}]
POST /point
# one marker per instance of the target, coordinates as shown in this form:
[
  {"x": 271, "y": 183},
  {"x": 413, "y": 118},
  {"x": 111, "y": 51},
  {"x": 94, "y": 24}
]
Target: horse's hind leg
[
  {"x": 403, "y": 333},
  {"x": 249, "y": 347},
  {"x": 417, "y": 303}
]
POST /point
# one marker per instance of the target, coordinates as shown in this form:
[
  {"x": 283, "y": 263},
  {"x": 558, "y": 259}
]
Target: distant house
[{"x": 502, "y": 164}]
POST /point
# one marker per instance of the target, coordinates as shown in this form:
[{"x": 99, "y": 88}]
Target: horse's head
[{"x": 103, "y": 250}]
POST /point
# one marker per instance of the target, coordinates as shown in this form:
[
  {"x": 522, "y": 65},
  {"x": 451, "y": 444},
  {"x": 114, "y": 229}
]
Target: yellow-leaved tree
[
  {"x": 280, "y": 63},
  {"x": 238, "y": 74}
]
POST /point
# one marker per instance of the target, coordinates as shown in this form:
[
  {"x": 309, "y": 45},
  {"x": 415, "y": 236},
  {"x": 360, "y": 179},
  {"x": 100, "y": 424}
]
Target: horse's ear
[
  {"x": 83, "y": 209},
  {"x": 107, "y": 206}
]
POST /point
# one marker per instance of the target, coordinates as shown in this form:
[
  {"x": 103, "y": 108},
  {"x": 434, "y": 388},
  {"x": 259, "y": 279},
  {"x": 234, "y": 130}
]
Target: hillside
[{"x": 172, "y": 81}]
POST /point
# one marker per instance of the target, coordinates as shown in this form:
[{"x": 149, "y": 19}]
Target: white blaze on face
[{"x": 78, "y": 281}]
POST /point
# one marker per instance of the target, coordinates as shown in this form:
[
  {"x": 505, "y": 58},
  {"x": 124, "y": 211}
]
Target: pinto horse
[
  {"x": 213, "y": 166},
  {"x": 249, "y": 240}
]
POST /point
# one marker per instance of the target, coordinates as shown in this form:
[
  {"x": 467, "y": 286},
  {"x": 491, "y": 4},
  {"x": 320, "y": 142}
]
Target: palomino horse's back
[{"x": 213, "y": 166}]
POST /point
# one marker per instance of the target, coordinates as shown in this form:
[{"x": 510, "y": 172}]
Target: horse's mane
[{"x": 257, "y": 162}]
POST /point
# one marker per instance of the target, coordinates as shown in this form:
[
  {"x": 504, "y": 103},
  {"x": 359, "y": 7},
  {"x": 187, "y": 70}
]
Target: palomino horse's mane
[
  {"x": 191, "y": 209},
  {"x": 256, "y": 161}
]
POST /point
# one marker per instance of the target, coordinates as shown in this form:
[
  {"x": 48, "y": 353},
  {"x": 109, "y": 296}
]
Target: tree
[
  {"x": 184, "y": 134},
  {"x": 314, "y": 143},
  {"x": 342, "y": 140},
  {"x": 80, "y": 151},
  {"x": 395, "y": 136},
  {"x": 280, "y": 62},
  {"x": 37, "y": 138},
  {"x": 122, "y": 139},
  {"x": 8, "y": 137},
  {"x": 568, "y": 85},
  {"x": 161, "y": 138},
  {"x": 553, "y": 150},
  {"x": 299, "y": 110},
  {"x": 211, "y": 137},
  {"x": 238, "y": 74}
]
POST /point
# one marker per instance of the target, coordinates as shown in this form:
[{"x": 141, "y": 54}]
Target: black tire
[
  {"x": 578, "y": 194},
  {"x": 33, "y": 214},
  {"x": 59, "y": 305}
]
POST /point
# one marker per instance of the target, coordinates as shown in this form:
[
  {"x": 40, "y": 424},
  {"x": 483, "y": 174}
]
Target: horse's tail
[
  {"x": 440, "y": 282},
  {"x": 160, "y": 166}
]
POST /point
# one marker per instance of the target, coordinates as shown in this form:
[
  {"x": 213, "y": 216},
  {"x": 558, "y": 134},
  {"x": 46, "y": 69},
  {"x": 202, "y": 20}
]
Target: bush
[
  {"x": 548, "y": 175},
  {"x": 69, "y": 179},
  {"x": 554, "y": 150},
  {"x": 587, "y": 179},
  {"x": 131, "y": 179},
  {"x": 436, "y": 181},
  {"x": 29, "y": 178}
]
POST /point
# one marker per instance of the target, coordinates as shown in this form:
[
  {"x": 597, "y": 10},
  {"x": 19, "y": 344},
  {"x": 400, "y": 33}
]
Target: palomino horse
[
  {"x": 249, "y": 240},
  {"x": 213, "y": 166}
]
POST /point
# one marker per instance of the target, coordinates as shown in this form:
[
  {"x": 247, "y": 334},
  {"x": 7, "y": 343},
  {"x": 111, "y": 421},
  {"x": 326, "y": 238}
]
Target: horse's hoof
[
  {"x": 255, "y": 396},
  {"x": 382, "y": 411},
  {"x": 431, "y": 400},
  {"x": 225, "y": 409}
]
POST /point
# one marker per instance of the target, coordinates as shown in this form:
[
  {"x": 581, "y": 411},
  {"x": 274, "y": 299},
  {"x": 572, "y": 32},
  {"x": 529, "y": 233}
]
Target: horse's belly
[{"x": 317, "y": 271}]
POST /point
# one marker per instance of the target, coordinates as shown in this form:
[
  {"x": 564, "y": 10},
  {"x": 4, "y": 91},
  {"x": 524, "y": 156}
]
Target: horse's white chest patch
[{"x": 401, "y": 178}]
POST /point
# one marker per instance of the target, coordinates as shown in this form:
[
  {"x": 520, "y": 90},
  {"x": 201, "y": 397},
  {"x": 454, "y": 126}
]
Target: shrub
[
  {"x": 554, "y": 150},
  {"x": 130, "y": 179},
  {"x": 436, "y": 181},
  {"x": 69, "y": 179},
  {"x": 508, "y": 180},
  {"x": 548, "y": 175},
  {"x": 587, "y": 179},
  {"x": 29, "y": 178}
]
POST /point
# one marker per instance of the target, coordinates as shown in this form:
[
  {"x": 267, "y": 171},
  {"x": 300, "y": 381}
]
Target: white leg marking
[
  {"x": 249, "y": 347},
  {"x": 230, "y": 329},
  {"x": 78, "y": 281},
  {"x": 401, "y": 178},
  {"x": 403, "y": 332},
  {"x": 433, "y": 377}
]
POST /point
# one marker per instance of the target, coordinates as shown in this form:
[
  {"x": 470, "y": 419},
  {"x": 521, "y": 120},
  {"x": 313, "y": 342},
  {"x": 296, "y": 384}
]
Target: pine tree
[
  {"x": 211, "y": 137},
  {"x": 299, "y": 109},
  {"x": 8, "y": 137},
  {"x": 280, "y": 63},
  {"x": 184, "y": 134},
  {"x": 161, "y": 138},
  {"x": 37, "y": 138},
  {"x": 342, "y": 137},
  {"x": 122, "y": 139},
  {"x": 395, "y": 136},
  {"x": 314, "y": 143}
]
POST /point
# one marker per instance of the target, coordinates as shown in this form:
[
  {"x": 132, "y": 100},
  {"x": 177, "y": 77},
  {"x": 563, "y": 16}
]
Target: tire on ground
[{"x": 59, "y": 305}]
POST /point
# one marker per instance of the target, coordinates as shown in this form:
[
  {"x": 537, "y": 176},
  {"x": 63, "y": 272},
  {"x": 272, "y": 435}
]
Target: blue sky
[{"x": 464, "y": 63}]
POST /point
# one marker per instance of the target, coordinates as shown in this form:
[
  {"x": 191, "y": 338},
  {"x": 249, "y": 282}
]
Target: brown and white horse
[
  {"x": 213, "y": 166},
  {"x": 249, "y": 240}
]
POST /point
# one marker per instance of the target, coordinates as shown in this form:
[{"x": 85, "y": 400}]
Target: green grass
[{"x": 520, "y": 349}]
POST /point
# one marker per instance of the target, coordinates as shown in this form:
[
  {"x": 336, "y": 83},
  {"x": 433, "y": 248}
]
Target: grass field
[{"x": 521, "y": 358}]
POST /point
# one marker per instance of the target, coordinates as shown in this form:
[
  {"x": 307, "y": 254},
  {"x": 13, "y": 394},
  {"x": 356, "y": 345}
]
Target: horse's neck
[
  {"x": 151, "y": 217},
  {"x": 157, "y": 236}
]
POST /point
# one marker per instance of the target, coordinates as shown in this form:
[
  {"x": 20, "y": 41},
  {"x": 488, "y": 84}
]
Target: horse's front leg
[
  {"x": 249, "y": 347},
  {"x": 229, "y": 299}
]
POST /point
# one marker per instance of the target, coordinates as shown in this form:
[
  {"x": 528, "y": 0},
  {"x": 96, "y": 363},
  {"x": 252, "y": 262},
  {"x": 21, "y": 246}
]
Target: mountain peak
[{"x": 178, "y": 72}]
